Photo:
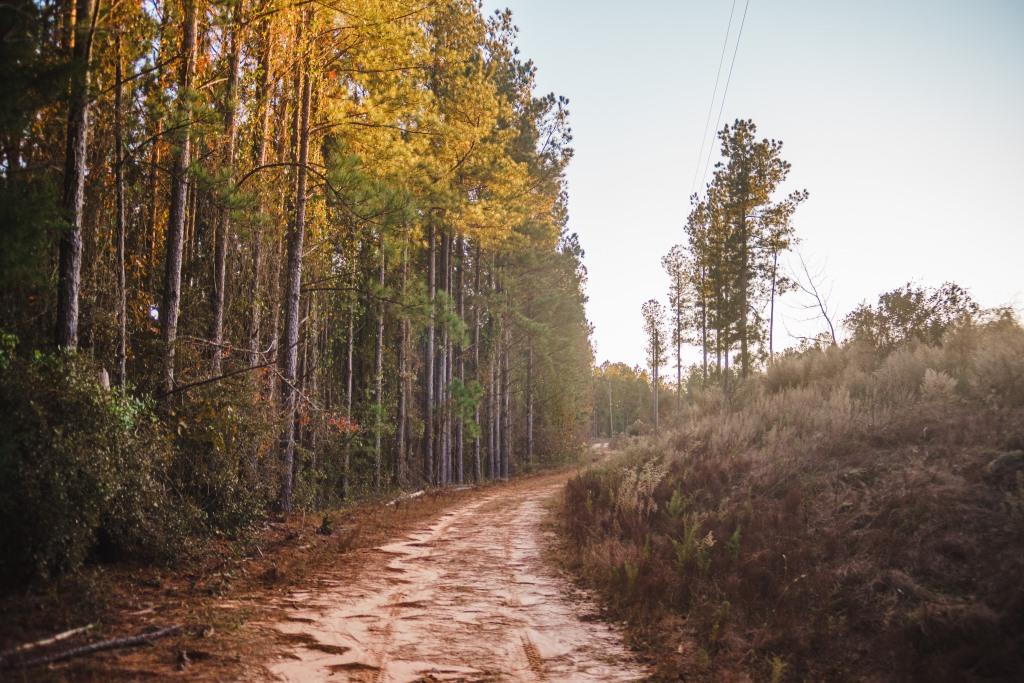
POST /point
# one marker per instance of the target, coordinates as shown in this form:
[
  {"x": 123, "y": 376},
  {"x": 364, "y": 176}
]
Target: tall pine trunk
[
  {"x": 152, "y": 208},
  {"x": 460, "y": 368},
  {"x": 274, "y": 297},
  {"x": 73, "y": 199},
  {"x": 293, "y": 289},
  {"x": 120, "y": 370},
  {"x": 171, "y": 303},
  {"x": 529, "y": 402},
  {"x": 494, "y": 441},
  {"x": 744, "y": 294},
  {"x": 477, "y": 469},
  {"x": 679, "y": 342},
  {"x": 349, "y": 371},
  {"x": 428, "y": 427},
  {"x": 403, "y": 371},
  {"x": 611, "y": 415},
  {"x": 506, "y": 400},
  {"x": 379, "y": 389},
  {"x": 657, "y": 355},
  {"x": 442, "y": 372},
  {"x": 771, "y": 313},
  {"x": 704, "y": 324},
  {"x": 255, "y": 310},
  {"x": 155, "y": 132},
  {"x": 223, "y": 227}
]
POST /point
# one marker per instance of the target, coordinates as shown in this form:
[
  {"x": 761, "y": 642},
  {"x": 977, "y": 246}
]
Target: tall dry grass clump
[{"x": 848, "y": 514}]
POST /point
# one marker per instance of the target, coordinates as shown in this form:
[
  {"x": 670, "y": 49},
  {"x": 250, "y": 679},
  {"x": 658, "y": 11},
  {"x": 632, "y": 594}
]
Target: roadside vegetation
[
  {"x": 852, "y": 512},
  {"x": 849, "y": 509},
  {"x": 263, "y": 264},
  {"x": 266, "y": 259}
]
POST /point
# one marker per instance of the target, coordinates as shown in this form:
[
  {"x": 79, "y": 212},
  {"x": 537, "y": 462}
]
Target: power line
[
  {"x": 714, "y": 94},
  {"x": 725, "y": 93}
]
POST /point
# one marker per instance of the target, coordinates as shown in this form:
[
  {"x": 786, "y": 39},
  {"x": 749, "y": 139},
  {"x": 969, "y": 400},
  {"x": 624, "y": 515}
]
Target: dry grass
[{"x": 844, "y": 516}]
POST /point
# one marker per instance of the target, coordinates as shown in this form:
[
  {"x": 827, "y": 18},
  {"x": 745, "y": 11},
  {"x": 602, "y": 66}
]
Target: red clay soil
[
  {"x": 467, "y": 597},
  {"x": 395, "y": 593}
]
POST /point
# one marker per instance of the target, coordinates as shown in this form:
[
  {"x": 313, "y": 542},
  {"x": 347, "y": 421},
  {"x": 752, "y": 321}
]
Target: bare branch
[{"x": 810, "y": 287}]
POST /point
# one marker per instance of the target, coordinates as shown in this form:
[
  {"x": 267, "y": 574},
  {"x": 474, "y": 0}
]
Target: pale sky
[{"x": 904, "y": 119}]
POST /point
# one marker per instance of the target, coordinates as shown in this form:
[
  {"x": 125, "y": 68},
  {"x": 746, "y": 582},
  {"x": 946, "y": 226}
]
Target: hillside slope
[{"x": 848, "y": 515}]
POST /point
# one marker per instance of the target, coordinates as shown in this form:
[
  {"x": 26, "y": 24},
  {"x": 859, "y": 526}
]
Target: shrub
[
  {"x": 937, "y": 386},
  {"x": 79, "y": 465},
  {"x": 638, "y": 428},
  {"x": 996, "y": 373},
  {"x": 223, "y": 434}
]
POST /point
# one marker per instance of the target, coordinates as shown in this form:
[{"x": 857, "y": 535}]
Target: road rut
[{"x": 467, "y": 598}]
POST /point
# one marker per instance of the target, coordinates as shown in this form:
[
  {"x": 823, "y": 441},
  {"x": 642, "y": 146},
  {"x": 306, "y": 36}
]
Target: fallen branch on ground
[
  {"x": 112, "y": 644},
  {"x": 407, "y": 496},
  {"x": 26, "y": 647}
]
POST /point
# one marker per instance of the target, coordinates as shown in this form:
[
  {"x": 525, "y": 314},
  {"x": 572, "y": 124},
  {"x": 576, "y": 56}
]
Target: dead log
[
  {"x": 407, "y": 496},
  {"x": 26, "y": 647},
  {"x": 111, "y": 644}
]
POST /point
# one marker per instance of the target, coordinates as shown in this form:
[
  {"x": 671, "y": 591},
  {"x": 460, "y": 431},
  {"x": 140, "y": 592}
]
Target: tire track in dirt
[
  {"x": 467, "y": 598},
  {"x": 533, "y": 657}
]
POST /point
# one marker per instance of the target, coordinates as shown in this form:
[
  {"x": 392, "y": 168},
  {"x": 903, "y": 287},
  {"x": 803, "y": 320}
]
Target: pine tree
[
  {"x": 374, "y": 212},
  {"x": 678, "y": 267},
  {"x": 654, "y": 327}
]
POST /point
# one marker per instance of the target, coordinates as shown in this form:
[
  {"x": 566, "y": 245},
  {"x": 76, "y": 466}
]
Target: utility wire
[
  {"x": 725, "y": 92},
  {"x": 714, "y": 94}
]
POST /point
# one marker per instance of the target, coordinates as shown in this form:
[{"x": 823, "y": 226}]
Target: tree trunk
[
  {"x": 311, "y": 379},
  {"x": 348, "y": 375},
  {"x": 461, "y": 367},
  {"x": 657, "y": 354},
  {"x": 255, "y": 311},
  {"x": 293, "y": 289},
  {"x": 494, "y": 440},
  {"x": 379, "y": 391},
  {"x": 744, "y": 284},
  {"x": 302, "y": 369},
  {"x": 179, "y": 196},
  {"x": 155, "y": 131},
  {"x": 611, "y": 419},
  {"x": 771, "y": 313},
  {"x": 679, "y": 342},
  {"x": 73, "y": 199},
  {"x": 223, "y": 229},
  {"x": 151, "y": 210},
  {"x": 726, "y": 376},
  {"x": 449, "y": 413},
  {"x": 718, "y": 351},
  {"x": 274, "y": 297},
  {"x": 189, "y": 235},
  {"x": 442, "y": 405},
  {"x": 442, "y": 369},
  {"x": 704, "y": 324},
  {"x": 506, "y": 385},
  {"x": 428, "y": 430},
  {"x": 477, "y": 469},
  {"x": 403, "y": 394},
  {"x": 120, "y": 369},
  {"x": 529, "y": 403}
]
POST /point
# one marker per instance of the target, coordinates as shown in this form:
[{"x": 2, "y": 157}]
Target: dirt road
[{"x": 467, "y": 598}]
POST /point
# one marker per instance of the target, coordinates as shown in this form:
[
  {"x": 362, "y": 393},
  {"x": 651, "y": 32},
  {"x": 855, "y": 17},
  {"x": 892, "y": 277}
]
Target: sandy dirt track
[{"x": 467, "y": 598}]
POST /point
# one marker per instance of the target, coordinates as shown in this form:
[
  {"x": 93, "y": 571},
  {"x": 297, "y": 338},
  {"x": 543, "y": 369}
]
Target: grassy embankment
[{"x": 847, "y": 514}]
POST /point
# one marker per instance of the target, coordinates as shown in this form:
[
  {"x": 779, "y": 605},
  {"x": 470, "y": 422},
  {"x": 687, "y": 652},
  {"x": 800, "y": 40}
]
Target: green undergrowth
[{"x": 94, "y": 474}]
